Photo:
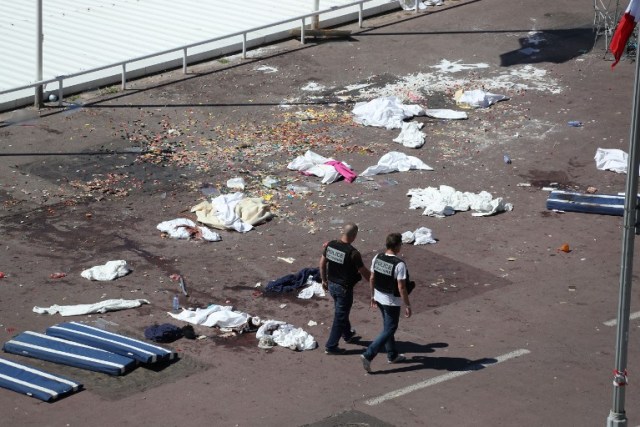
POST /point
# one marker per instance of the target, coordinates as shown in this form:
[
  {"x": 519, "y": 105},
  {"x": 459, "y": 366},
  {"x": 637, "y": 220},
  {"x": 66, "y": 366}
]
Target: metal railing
[{"x": 184, "y": 48}]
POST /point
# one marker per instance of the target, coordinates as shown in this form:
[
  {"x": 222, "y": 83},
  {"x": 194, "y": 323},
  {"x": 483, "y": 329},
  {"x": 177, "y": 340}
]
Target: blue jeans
[
  {"x": 342, "y": 302},
  {"x": 386, "y": 339}
]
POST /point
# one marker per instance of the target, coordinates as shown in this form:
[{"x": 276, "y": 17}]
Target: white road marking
[
  {"x": 442, "y": 378},
  {"x": 614, "y": 322}
]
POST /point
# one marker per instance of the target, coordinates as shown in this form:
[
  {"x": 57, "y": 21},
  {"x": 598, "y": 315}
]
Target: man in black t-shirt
[{"x": 341, "y": 267}]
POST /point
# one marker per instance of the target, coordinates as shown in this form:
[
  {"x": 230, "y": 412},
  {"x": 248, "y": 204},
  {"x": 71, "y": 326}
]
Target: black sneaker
[
  {"x": 335, "y": 351},
  {"x": 353, "y": 338},
  {"x": 399, "y": 358},
  {"x": 366, "y": 363}
]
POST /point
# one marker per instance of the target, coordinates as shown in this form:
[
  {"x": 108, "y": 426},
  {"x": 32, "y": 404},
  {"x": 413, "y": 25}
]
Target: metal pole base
[{"x": 617, "y": 419}]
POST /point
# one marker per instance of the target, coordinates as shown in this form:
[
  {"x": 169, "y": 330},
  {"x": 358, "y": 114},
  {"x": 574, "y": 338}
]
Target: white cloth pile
[
  {"x": 387, "y": 112},
  {"x": 313, "y": 288},
  {"x": 612, "y": 159},
  {"x": 477, "y": 98},
  {"x": 99, "y": 307},
  {"x": 214, "y": 315},
  {"x": 183, "y": 228},
  {"x": 109, "y": 271},
  {"x": 422, "y": 236},
  {"x": 395, "y": 161},
  {"x": 411, "y": 136},
  {"x": 314, "y": 164},
  {"x": 286, "y": 335},
  {"x": 443, "y": 113},
  {"x": 444, "y": 201},
  {"x": 233, "y": 212}
]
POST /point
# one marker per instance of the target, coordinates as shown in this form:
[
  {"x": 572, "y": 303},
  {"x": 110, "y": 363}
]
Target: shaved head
[{"x": 350, "y": 230}]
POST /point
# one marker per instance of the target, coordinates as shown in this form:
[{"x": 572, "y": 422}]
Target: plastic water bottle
[
  {"x": 575, "y": 123},
  {"x": 176, "y": 303},
  {"x": 507, "y": 159}
]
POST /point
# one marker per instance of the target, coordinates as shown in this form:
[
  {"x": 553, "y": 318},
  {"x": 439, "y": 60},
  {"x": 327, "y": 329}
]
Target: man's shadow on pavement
[{"x": 417, "y": 362}]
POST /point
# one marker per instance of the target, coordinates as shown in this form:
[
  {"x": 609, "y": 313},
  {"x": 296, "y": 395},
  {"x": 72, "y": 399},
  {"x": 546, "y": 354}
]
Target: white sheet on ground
[
  {"x": 411, "y": 136},
  {"x": 395, "y": 161},
  {"x": 612, "y": 159},
  {"x": 179, "y": 229},
  {"x": 287, "y": 335},
  {"x": 314, "y": 164},
  {"x": 214, "y": 315},
  {"x": 443, "y": 113},
  {"x": 109, "y": 271},
  {"x": 445, "y": 201},
  {"x": 477, "y": 98},
  {"x": 387, "y": 112},
  {"x": 422, "y": 236},
  {"x": 313, "y": 288},
  {"x": 233, "y": 212},
  {"x": 99, "y": 307}
]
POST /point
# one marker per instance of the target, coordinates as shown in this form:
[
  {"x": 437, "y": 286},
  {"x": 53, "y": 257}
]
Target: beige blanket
[{"x": 251, "y": 210}]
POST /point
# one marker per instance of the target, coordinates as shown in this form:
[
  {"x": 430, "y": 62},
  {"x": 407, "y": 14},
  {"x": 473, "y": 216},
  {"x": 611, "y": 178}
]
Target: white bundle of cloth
[
  {"x": 286, "y": 335},
  {"x": 477, "y": 98},
  {"x": 233, "y": 212},
  {"x": 314, "y": 164},
  {"x": 109, "y": 271},
  {"x": 214, "y": 315},
  {"x": 446, "y": 200},
  {"x": 612, "y": 159},
  {"x": 387, "y": 112},
  {"x": 183, "y": 228},
  {"x": 395, "y": 161},
  {"x": 422, "y": 236}
]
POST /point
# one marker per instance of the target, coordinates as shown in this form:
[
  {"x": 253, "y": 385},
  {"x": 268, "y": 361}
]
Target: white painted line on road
[
  {"x": 443, "y": 378},
  {"x": 614, "y": 322}
]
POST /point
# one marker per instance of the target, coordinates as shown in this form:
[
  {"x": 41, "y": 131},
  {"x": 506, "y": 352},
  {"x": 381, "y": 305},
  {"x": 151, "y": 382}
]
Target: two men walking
[{"x": 341, "y": 267}]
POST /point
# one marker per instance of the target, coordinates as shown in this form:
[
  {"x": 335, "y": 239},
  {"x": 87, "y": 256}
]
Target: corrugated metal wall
[{"x": 84, "y": 34}]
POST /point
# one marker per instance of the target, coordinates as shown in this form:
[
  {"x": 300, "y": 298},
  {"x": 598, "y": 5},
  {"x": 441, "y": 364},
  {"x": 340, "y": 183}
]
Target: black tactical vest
[
  {"x": 341, "y": 268},
  {"x": 383, "y": 269}
]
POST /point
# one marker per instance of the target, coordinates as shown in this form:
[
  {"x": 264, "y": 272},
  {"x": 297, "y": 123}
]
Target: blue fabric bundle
[{"x": 291, "y": 282}]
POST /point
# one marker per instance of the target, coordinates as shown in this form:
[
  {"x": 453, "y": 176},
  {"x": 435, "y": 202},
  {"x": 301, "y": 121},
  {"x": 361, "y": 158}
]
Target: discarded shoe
[
  {"x": 366, "y": 363},
  {"x": 335, "y": 351},
  {"x": 399, "y": 358}
]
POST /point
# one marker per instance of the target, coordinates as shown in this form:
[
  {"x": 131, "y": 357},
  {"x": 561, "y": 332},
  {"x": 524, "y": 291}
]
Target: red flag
[{"x": 624, "y": 29}]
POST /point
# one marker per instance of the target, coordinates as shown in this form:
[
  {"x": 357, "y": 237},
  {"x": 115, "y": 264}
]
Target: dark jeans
[
  {"x": 386, "y": 339},
  {"x": 342, "y": 302}
]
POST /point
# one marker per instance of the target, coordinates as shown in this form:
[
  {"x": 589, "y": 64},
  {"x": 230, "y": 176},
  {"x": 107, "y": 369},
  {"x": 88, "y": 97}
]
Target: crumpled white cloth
[
  {"x": 411, "y": 136},
  {"x": 477, "y": 98},
  {"x": 99, "y": 307},
  {"x": 214, "y": 315},
  {"x": 314, "y": 164},
  {"x": 443, "y": 113},
  {"x": 176, "y": 228},
  {"x": 612, "y": 159},
  {"x": 314, "y": 288},
  {"x": 287, "y": 335},
  {"x": 396, "y": 161},
  {"x": 445, "y": 201},
  {"x": 411, "y": 5},
  {"x": 109, "y": 271},
  {"x": 387, "y": 112},
  {"x": 422, "y": 236}
]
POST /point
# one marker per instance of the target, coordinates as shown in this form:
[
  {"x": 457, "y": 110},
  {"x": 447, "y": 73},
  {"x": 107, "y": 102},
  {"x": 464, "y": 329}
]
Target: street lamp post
[
  {"x": 39, "y": 40},
  {"x": 617, "y": 416}
]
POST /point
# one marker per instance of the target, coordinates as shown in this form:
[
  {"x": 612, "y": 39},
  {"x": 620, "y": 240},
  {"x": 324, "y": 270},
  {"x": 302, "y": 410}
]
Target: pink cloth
[{"x": 348, "y": 174}]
